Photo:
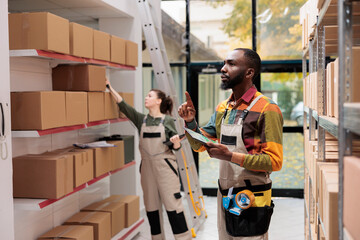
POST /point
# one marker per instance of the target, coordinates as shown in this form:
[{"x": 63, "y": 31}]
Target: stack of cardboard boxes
[
  {"x": 54, "y": 174},
  {"x": 102, "y": 220},
  {"x": 46, "y": 31},
  {"x": 78, "y": 97},
  {"x": 52, "y": 109},
  {"x": 322, "y": 195}
]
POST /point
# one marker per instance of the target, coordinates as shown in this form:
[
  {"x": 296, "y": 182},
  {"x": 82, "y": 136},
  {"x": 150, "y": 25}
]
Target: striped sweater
[{"x": 262, "y": 131}]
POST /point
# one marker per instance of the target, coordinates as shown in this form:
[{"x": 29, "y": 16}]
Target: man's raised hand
[{"x": 187, "y": 110}]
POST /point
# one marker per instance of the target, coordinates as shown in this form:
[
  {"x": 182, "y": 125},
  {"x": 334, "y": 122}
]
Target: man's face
[{"x": 234, "y": 70}]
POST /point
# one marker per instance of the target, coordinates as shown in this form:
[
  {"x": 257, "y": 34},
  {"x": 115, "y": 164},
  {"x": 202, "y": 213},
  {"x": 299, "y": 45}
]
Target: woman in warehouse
[{"x": 158, "y": 168}]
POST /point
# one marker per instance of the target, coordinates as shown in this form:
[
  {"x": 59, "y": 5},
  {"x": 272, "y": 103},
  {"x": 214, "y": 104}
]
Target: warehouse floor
[{"x": 287, "y": 221}]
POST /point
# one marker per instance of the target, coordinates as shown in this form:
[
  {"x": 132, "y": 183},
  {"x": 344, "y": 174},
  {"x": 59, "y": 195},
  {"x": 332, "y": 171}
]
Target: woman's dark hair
[{"x": 166, "y": 105}]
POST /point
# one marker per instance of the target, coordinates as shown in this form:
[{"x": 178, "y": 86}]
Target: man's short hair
[{"x": 252, "y": 59}]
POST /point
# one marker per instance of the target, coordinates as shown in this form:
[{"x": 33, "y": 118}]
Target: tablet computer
[{"x": 198, "y": 137}]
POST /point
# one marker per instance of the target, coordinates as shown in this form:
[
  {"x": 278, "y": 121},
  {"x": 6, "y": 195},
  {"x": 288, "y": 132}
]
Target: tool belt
[{"x": 255, "y": 220}]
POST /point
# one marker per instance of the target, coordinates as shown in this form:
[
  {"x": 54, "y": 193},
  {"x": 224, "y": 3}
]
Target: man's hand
[
  {"x": 187, "y": 110},
  {"x": 219, "y": 151}
]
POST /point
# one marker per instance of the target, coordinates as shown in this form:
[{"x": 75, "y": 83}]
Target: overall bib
[
  {"x": 253, "y": 222},
  {"x": 160, "y": 183}
]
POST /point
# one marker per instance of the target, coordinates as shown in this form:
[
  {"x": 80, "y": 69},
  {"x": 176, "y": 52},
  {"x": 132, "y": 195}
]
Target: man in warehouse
[{"x": 248, "y": 129}]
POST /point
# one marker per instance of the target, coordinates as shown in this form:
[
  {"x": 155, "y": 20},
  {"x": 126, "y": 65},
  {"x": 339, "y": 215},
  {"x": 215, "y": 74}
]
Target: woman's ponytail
[{"x": 166, "y": 105}]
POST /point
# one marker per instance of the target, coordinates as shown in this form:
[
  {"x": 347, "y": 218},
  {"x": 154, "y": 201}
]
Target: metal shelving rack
[
  {"x": 348, "y": 123},
  {"x": 348, "y": 112}
]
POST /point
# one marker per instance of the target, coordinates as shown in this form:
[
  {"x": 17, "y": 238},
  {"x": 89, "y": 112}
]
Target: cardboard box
[
  {"x": 111, "y": 107},
  {"x": 129, "y": 99},
  {"x": 37, "y": 110},
  {"x": 132, "y": 207},
  {"x": 41, "y": 30},
  {"x": 83, "y": 166},
  {"x": 355, "y": 85},
  {"x": 330, "y": 89},
  {"x": 351, "y": 194},
  {"x": 117, "y": 155},
  {"x": 102, "y": 161},
  {"x": 79, "y": 78},
  {"x": 101, "y": 45},
  {"x": 81, "y": 41},
  {"x": 69, "y": 232},
  {"x": 117, "y": 50},
  {"x": 323, "y": 167},
  {"x": 100, "y": 221},
  {"x": 116, "y": 210},
  {"x": 42, "y": 176},
  {"x": 96, "y": 103},
  {"x": 131, "y": 53},
  {"x": 331, "y": 205},
  {"x": 76, "y": 108},
  {"x": 336, "y": 88}
]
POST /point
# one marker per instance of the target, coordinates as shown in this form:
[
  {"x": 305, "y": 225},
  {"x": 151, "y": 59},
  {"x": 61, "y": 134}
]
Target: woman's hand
[
  {"x": 115, "y": 94},
  {"x": 219, "y": 151},
  {"x": 176, "y": 141}
]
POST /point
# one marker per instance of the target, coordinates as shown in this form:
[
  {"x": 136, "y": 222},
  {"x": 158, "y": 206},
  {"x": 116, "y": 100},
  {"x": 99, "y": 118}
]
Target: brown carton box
[
  {"x": 351, "y": 194},
  {"x": 117, "y": 155},
  {"x": 101, "y": 45},
  {"x": 96, "y": 102},
  {"x": 132, "y": 207},
  {"x": 37, "y": 110},
  {"x": 41, "y": 30},
  {"x": 69, "y": 232},
  {"x": 83, "y": 166},
  {"x": 336, "y": 88},
  {"x": 129, "y": 99},
  {"x": 42, "y": 176},
  {"x": 117, "y": 50},
  {"x": 79, "y": 78},
  {"x": 117, "y": 211},
  {"x": 330, "y": 89},
  {"x": 76, "y": 108},
  {"x": 111, "y": 107},
  {"x": 100, "y": 221},
  {"x": 131, "y": 53},
  {"x": 102, "y": 161},
  {"x": 323, "y": 167},
  {"x": 330, "y": 207},
  {"x": 81, "y": 40},
  {"x": 355, "y": 85}
]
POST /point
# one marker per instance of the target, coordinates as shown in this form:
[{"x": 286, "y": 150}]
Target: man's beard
[{"x": 231, "y": 83}]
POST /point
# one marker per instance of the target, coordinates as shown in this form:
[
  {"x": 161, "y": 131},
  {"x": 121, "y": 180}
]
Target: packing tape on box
[
  {"x": 83, "y": 219},
  {"x": 99, "y": 208},
  {"x": 61, "y": 234}
]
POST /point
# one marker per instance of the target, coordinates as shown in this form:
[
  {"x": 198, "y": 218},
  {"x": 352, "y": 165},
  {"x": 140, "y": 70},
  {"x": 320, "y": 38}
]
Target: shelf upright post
[
  {"x": 321, "y": 86},
  {"x": 345, "y": 78},
  {"x": 312, "y": 67},
  {"x": 304, "y": 73},
  {"x": 307, "y": 114}
]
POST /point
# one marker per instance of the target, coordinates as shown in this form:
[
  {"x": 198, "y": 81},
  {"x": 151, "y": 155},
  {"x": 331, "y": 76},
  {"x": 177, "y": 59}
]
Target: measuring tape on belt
[{"x": 238, "y": 202}]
